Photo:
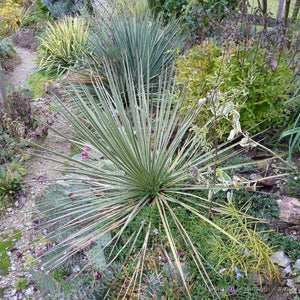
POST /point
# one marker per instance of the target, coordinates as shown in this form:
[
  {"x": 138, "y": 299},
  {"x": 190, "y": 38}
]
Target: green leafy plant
[
  {"x": 19, "y": 119},
  {"x": 246, "y": 79},
  {"x": 132, "y": 7},
  {"x": 10, "y": 148},
  {"x": 8, "y": 57},
  {"x": 21, "y": 283},
  {"x": 7, "y": 242},
  {"x": 10, "y": 186},
  {"x": 62, "y": 8},
  {"x": 63, "y": 44},
  {"x": 141, "y": 154},
  {"x": 287, "y": 244},
  {"x": 186, "y": 10}
]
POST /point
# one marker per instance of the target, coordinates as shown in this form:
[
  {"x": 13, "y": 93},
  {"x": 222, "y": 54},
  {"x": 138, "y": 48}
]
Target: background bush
[
  {"x": 254, "y": 80},
  {"x": 59, "y": 8}
]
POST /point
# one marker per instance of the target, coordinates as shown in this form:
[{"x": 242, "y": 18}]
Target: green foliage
[
  {"x": 292, "y": 187},
  {"x": 247, "y": 79},
  {"x": 185, "y": 9},
  {"x": 287, "y": 244},
  {"x": 138, "y": 159},
  {"x": 8, "y": 56},
  {"x": 294, "y": 136},
  {"x": 21, "y": 284},
  {"x": 10, "y": 148},
  {"x": 7, "y": 242},
  {"x": 6, "y": 49},
  {"x": 132, "y": 7},
  {"x": 59, "y": 273},
  {"x": 63, "y": 44},
  {"x": 36, "y": 83},
  {"x": 10, "y": 186},
  {"x": 61, "y": 8},
  {"x": 140, "y": 42},
  {"x": 260, "y": 205},
  {"x": 20, "y": 119}
]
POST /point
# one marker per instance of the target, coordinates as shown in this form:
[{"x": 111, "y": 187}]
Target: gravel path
[
  {"x": 21, "y": 73},
  {"x": 22, "y": 217}
]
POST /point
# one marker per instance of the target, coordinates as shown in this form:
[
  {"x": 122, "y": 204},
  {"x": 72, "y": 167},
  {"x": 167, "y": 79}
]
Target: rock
[
  {"x": 281, "y": 259},
  {"x": 290, "y": 283},
  {"x": 296, "y": 268},
  {"x": 258, "y": 279},
  {"x": 287, "y": 270},
  {"x": 289, "y": 210}
]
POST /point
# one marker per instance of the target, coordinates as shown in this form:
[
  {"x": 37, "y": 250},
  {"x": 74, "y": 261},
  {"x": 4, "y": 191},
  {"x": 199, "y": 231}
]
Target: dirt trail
[
  {"x": 19, "y": 76},
  {"x": 39, "y": 171}
]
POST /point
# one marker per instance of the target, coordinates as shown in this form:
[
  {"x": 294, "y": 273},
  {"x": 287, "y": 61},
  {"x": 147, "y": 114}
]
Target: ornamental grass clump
[
  {"x": 144, "y": 44},
  {"x": 141, "y": 154},
  {"x": 64, "y": 43}
]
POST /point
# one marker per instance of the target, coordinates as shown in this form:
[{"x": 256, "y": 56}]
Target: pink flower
[
  {"x": 88, "y": 149},
  {"x": 84, "y": 155}
]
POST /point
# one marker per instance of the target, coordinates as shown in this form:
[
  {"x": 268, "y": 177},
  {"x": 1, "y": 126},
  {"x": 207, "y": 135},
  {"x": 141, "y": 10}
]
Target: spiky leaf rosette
[{"x": 142, "y": 154}]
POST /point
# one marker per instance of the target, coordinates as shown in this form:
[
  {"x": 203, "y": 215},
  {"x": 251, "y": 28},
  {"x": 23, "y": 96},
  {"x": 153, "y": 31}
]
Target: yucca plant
[
  {"x": 141, "y": 155},
  {"x": 64, "y": 43},
  {"x": 146, "y": 45}
]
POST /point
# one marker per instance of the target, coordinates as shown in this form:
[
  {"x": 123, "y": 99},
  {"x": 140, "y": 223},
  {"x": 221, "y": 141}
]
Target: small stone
[
  {"x": 296, "y": 268},
  {"x": 281, "y": 259},
  {"x": 76, "y": 269},
  {"x": 29, "y": 291},
  {"x": 222, "y": 271},
  {"x": 289, "y": 210},
  {"x": 290, "y": 283},
  {"x": 257, "y": 278},
  {"x": 9, "y": 253},
  {"x": 287, "y": 270}
]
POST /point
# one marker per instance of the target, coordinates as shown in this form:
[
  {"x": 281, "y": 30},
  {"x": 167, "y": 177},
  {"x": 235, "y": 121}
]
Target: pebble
[
  {"x": 281, "y": 259},
  {"x": 290, "y": 283},
  {"x": 287, "y": 270}
]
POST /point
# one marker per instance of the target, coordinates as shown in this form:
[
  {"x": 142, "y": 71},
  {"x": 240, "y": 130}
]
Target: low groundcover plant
[{"x": 140, "y": 155}]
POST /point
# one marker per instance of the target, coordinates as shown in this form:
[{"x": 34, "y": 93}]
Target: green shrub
[
  {"x": 132, "y": 7},
  {"x": 61, "y": 8},
  {"x": 10, "y": 186},
  {"x": 64, "y": 43},
  {"x": 6, "y": 49},
  {"x": 247, "y": 79},
  {"x": 137, "y": 159},
  {"x": 8, "y": 56},
  {"x": 192, "y": 13},
  {"x": 21, "y": 284}
]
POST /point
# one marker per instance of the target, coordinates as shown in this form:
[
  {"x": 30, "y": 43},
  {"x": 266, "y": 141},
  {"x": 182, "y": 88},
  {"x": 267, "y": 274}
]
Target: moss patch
[
  {"x": 36, "y": 83},
  {"x": 7, "y": 242},
  {"x": 21, "y": 283}
]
